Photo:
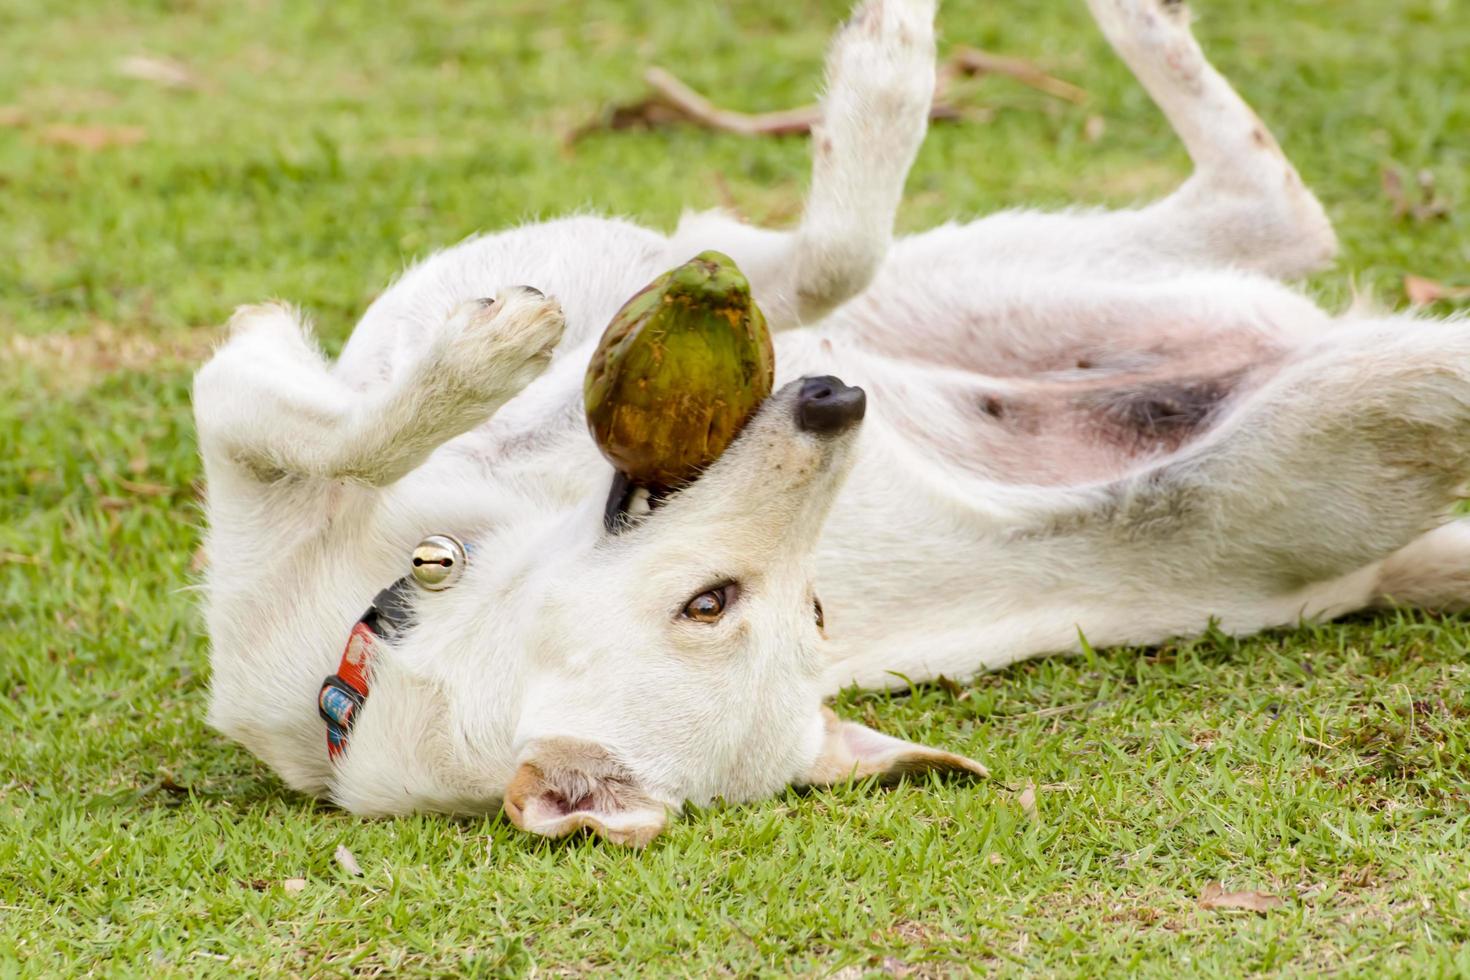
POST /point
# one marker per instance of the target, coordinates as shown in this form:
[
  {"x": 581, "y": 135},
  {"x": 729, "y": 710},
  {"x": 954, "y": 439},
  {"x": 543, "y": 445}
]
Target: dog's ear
[
  {"x": 566, "y": 784},
  {"x": 853, "y": 751}
]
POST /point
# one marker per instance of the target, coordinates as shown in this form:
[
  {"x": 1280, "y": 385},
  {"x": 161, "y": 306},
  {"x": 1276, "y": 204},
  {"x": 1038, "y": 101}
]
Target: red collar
[{"x": 342, "y": 695}]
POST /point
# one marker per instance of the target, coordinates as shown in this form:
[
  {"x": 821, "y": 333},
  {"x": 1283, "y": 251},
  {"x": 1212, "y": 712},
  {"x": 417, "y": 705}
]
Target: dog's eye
[
  {"x": 817, "y": 609},
  {"x": 708, "y": 607}
]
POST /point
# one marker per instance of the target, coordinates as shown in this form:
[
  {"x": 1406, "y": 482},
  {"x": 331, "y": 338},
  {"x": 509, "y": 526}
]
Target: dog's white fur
[{"x": 1114, "y": 422}]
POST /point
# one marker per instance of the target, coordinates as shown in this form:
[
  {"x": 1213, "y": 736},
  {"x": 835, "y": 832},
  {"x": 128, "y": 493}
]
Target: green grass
[{"x": 326, "y": 144}]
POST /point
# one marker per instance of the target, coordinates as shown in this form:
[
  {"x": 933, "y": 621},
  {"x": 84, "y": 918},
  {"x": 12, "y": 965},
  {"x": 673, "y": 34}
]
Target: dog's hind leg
[
  {"x": 1432, "y": 572},
  {"x": 1351, "y": 453},
  {"x": 1245, "y": 204},
  {"x": 880, "y": 83},
  {"x": 268, "y": 402}
]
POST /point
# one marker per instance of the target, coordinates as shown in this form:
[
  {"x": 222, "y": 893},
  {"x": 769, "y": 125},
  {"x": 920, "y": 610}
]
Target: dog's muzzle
[{"x": 825, "y": 406}]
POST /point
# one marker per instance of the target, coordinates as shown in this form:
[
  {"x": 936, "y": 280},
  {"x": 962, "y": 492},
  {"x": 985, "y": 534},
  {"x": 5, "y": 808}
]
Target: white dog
[{"x": 1118, "y": 423}]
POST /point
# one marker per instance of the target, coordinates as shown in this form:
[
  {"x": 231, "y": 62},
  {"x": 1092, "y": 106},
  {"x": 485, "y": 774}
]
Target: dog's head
[{"x": 674, "y": 658}]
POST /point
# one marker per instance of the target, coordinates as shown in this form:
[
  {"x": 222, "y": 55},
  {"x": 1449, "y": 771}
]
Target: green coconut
[{"x": 680, "y": 369}]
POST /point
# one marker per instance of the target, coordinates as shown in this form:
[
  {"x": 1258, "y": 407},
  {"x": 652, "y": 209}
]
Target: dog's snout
[{"x": 826, "y": 406}]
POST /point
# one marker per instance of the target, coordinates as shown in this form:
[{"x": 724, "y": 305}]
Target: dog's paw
[
  {"x": 902, "y": 22},
  {"x": 885, "y": 55},
  {"x": 880, "y": 78},
  {"x": 500, "y": 345}
]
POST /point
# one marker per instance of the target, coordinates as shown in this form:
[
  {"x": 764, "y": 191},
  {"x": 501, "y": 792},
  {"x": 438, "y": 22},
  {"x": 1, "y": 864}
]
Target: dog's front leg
[
  {"x": 880, "y": 83},
  {"x": 267, "y": 400}
]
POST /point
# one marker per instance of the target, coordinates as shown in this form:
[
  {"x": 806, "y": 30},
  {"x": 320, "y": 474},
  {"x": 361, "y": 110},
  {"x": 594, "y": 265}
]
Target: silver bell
[{"x": 438, "y": 561}]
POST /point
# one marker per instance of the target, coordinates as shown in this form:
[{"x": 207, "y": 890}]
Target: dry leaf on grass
[
  {"x": 909, "y": 931},
  {"x": 12, "y": 115},
  {"x": 293, "y": 885},
  {"x": 1422, "y": 292},
  {"x": 169, "y": 784},
  {"x": 1216, "y": 897},
  {"x": 952, "y": 687},
  {"x": 144, "y": 489},
  {"x": 347, "y": 861},
  {"x": 1027, "y": 800},
  {"x": 159, "y": 71},
  {"x": 92, "y": 137}
]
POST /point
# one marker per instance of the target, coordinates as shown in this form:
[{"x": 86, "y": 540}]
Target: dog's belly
[
  {"x": 1084, "y": 425},
  {"x": 1056, "y": 380}
]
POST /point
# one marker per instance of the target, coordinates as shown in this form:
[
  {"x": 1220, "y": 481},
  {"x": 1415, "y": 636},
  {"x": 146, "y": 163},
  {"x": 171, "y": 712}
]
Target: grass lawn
[{"x": 310, "y": 151}]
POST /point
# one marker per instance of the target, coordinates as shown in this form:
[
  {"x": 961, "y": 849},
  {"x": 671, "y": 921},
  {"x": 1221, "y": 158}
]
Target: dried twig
[
  {"x": 967, "y": 61},
  {"x": 696, "y": 108},
  {"x": 672, "y": 100}
]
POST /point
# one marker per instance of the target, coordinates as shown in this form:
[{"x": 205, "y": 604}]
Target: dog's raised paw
[
  {"x": 504, "y": 340},
  {"x": 894, "y": 32},
  {"x": 880, "y": 75},
  {"x": 903, "y": 21}
]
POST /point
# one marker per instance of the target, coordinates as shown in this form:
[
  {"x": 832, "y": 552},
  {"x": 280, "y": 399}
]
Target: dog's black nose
[{"x": 826, "y": 406}]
